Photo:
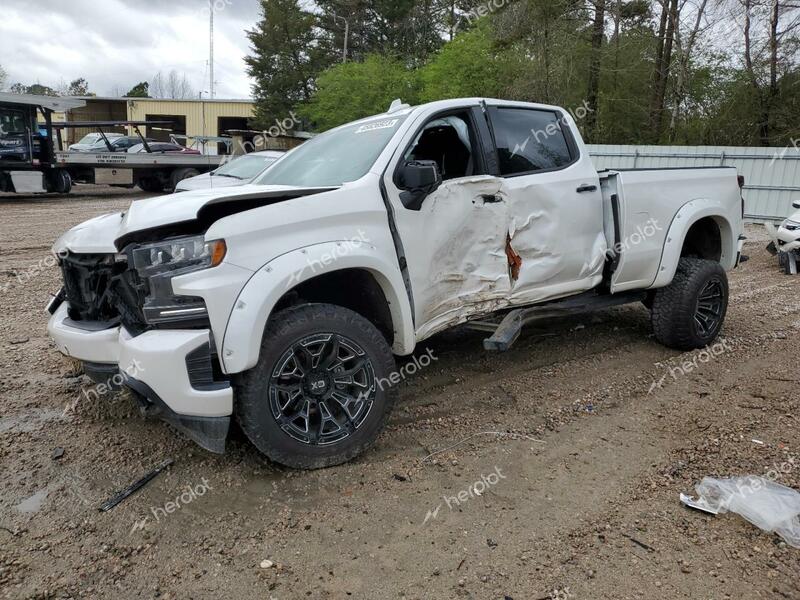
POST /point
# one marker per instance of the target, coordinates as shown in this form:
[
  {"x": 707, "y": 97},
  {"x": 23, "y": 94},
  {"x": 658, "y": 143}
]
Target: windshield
[
  {"x": 244, "y": 167},
  {"x": 90, "y": 138},
  {"x": 333, "y": 158}
]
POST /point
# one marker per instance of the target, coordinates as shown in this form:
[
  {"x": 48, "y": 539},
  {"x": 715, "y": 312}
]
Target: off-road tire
[
  {"x": 251, "y": 389},
  {"x": 675, "y": 306}
]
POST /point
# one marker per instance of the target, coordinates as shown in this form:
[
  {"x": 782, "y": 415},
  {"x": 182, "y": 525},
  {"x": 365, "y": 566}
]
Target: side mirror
[
  {"x": 796, "y": 204},
  {"x": 418, "y": 178}
]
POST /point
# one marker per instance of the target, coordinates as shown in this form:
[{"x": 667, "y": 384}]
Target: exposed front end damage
[{"x": 99, "y": 319}]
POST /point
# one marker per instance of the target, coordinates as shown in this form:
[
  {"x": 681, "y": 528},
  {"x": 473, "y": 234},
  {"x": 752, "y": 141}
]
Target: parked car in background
[
  {"x": 91, "y": 139},
  {"x": 238, "y": 171},
  {"x": 120, "y": 144},
  {"x": 162, "y": 148}
]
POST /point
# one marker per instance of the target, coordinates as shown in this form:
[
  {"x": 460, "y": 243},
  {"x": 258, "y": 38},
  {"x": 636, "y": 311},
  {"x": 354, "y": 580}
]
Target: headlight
[
  {"x": 790, "y": 225},
  {"x": 158, "y": 263}
]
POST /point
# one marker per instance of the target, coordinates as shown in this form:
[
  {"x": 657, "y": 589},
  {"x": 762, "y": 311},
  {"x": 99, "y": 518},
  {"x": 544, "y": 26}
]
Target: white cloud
[{"x": 118, "y": 43}]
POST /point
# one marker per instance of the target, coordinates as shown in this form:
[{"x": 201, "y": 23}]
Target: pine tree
[{"x": 286, "y": 58}]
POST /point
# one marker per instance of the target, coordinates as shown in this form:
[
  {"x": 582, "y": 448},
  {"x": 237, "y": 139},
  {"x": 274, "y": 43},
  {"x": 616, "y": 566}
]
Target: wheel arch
[
  {"x": 321, "y": 273},
  {"x": 700, "y": 229}
]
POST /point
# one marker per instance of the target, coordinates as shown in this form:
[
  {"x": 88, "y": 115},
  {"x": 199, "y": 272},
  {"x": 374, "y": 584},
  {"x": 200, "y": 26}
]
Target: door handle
[
  {"x": 490, "y": 198},
  {"x": 586, "y": 188}
]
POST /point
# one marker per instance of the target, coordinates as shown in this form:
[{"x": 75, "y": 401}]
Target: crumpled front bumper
[{"x": 170, "y": 368}]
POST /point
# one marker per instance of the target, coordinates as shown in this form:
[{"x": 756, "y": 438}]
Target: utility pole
[
  {"x": 211, "y": 48},
  {"x": 346, "y": 36}
]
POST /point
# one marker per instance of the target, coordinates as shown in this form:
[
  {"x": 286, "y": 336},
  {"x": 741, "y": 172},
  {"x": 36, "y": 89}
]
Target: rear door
[{"x": 556, "y": 240}]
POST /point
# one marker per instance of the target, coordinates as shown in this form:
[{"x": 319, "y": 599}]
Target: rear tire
[
  {"x": 315, "y": 398},
  {"x": 689, "y": 312},
  {"x": 150, "y": 184}
]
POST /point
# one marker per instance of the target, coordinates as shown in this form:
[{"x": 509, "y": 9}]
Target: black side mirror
[
  {"x": 418, "y": 178},
  {"x": 796, "y": 204}
]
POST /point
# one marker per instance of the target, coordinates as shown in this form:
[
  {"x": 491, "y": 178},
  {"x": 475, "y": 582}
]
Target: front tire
[
  {"x": 316, "y": 397},
  {"x": 688, "y": 314}
]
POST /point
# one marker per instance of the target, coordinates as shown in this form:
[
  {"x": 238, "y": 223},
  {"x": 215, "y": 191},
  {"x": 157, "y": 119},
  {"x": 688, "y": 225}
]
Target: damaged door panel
[
  {"x": 457, "y": 259},
  {"x": 556, "y": 242}
]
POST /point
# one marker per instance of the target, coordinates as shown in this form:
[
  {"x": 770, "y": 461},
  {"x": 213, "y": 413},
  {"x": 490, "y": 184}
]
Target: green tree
[
  {"x": 78, "y": 87},
  {"x": 471, "y": 65},
  {"x": 36, "y": 88},
  {"x": 286, "y": 58},
  {"x": 3, "y": 77},
  {"x": 353, "y": 90},
  {"x": 140, "y": 90},
  {"x": 410, "y": 29}
]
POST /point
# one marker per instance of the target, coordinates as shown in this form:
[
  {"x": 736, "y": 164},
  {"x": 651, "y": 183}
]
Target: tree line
[
  {"x": 172, "y": 85},
  {"x": 710, "y": 72}
]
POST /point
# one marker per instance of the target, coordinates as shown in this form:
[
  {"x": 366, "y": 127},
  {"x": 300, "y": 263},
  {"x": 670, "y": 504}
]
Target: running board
[{"x": 506, "y": 332}]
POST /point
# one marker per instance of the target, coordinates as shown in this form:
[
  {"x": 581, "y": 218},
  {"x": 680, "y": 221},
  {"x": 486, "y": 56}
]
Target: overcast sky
[{"x": 118, "y": 43}]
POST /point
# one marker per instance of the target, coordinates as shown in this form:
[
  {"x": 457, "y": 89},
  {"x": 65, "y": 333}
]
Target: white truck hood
[{"x": 97, "y": 236}]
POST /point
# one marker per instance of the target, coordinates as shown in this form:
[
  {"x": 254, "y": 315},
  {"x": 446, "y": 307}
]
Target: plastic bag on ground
[{"x": 766, "y": 504}]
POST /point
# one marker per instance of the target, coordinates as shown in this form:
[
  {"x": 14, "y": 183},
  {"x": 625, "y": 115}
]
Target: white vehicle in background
[
  {"x": 91, "y": 140},
  {"x": 282, "y": 303},
  {"x": 236, "y": 172},
  {"x": 786, "y": 241}
]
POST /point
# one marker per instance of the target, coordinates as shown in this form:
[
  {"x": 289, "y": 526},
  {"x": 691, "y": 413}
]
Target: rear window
[{"x": 529, "y": 140}]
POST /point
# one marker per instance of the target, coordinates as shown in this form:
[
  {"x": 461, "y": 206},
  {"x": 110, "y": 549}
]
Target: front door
[{"x": 454, "y": 241}]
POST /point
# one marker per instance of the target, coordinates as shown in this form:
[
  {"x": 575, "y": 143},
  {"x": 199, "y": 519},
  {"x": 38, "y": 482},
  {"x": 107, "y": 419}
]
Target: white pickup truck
[{"x": 282, "y": 303}]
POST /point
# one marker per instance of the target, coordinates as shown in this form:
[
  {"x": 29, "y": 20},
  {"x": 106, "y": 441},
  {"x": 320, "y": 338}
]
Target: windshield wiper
[{"x": 226, "y": 175}]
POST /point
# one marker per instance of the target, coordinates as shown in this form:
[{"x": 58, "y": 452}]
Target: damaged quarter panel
[{"x": 657, "y": 209}]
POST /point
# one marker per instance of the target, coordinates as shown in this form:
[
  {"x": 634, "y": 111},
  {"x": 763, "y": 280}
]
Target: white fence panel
[{"x": 772, "y": 175}]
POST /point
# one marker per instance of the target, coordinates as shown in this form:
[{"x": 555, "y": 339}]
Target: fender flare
[
  {"x": 241, "y": 345},
  {"x": 689, "y": 214}
]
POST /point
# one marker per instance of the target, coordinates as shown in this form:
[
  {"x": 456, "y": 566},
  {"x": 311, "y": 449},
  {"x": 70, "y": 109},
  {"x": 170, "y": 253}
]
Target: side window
[
  {"x": 529, "y": 140},
  {"x": 449, "y": 142},
  {"x": 12, "y": 122}
]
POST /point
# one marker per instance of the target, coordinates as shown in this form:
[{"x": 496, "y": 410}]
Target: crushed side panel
[{"x": 465, "y": 225}]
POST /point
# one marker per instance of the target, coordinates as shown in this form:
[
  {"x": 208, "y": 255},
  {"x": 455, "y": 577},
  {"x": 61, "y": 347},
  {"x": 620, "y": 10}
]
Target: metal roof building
[
  {"x": 772, "y": 175},
  {"x": 191, "y": 117}
]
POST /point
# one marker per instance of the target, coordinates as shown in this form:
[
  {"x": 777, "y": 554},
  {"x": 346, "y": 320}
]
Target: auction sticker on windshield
[{"x": 386, "y": 124}]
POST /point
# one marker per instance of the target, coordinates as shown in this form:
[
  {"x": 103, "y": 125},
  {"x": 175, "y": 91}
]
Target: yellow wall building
[{"x": 192, "y": 117}]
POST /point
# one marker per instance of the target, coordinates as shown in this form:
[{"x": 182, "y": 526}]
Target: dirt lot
[{"x": 582, "y": 502}]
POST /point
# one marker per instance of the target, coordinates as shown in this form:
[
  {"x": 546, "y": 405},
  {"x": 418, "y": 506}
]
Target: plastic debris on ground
[{"x": 767, "y": 505}]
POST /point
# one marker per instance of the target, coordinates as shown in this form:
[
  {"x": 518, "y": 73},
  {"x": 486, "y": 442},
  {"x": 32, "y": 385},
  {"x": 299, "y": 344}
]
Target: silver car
[{"x": 235, "y": 172}]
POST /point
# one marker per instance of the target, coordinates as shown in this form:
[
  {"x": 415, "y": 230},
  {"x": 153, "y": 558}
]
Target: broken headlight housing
[{"x": 158, "y": 263}]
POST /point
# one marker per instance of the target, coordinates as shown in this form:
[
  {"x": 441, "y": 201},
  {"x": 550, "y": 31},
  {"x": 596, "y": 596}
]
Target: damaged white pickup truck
[{"x": 282, "y": 303}]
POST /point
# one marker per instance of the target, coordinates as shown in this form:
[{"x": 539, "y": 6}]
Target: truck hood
[
  {"x": 98, "y": 235},
  {"x": 95, "y": 236}
]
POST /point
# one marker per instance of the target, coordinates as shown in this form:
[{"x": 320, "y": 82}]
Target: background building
[{"x": 189, "y": 117}]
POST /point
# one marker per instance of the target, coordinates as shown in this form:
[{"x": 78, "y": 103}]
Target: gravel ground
[{"x": 601, "y": 428}]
